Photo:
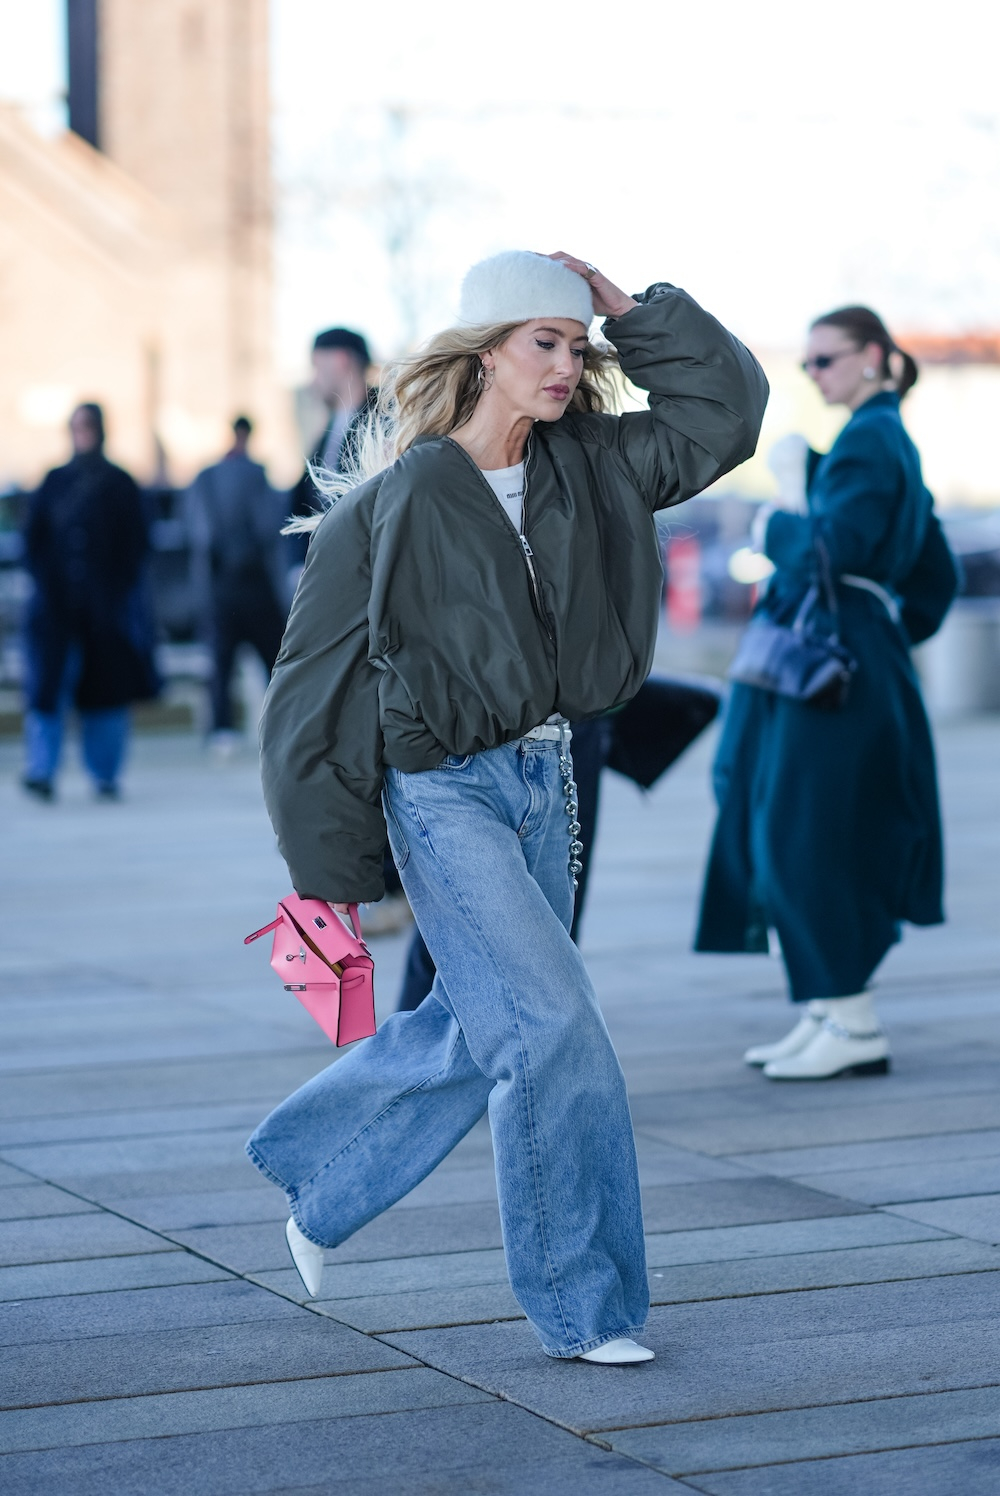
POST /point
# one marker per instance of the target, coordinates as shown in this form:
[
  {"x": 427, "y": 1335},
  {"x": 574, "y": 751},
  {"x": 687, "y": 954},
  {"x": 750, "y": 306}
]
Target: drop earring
[{"x": 868, "y": 372}]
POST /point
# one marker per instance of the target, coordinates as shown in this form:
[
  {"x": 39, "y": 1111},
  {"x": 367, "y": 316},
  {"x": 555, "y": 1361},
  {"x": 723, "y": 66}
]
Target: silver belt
[
  {"x": 885, "y": 597},
  {"x": 549, "y": 732}
]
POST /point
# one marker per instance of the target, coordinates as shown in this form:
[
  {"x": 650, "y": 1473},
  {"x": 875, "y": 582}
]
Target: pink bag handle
[{"x": 352, "y": 910}]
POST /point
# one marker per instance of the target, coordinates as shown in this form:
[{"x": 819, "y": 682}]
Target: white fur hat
[{"x": 518, "y": 285}]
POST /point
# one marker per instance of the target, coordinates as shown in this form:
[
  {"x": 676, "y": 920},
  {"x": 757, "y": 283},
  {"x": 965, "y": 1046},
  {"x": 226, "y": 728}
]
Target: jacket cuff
[
  {"x": 658, "y": 291},
  {"x": 788, "y": 541}
]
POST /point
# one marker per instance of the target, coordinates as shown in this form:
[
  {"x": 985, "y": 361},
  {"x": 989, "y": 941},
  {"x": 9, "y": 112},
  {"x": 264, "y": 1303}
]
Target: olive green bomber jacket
[{"x": 423, "y": 627}]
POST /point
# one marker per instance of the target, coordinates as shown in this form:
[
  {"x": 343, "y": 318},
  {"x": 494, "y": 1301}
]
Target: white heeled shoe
[
  {"x": 835, "y": 1051},
  {"x": 795, "y": 1041},
  {"x": 620, "y": 1352},
  {"x": 308, "y": 1258}
]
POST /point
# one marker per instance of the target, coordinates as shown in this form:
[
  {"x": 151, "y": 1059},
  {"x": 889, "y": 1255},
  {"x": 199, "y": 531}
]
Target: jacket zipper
[{"x": 527, "y": 554}]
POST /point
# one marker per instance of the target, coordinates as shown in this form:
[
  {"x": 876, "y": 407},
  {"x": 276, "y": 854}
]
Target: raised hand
[{"x": 609, "y": 300}]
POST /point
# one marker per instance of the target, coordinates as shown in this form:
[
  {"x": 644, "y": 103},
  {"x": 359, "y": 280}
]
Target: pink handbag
[{"x": 330, "y": 970}]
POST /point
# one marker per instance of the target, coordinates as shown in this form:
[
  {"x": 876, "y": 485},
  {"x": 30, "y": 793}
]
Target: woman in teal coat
[{"x": 829, "y": 831}]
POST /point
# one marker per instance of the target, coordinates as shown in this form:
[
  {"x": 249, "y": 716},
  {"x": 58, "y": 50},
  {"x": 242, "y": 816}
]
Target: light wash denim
[
  {"x": 104, "y": 734},
  {"x": 511, "y": 1026}
]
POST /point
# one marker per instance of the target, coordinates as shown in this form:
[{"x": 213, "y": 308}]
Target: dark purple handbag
[{"x": 798, "y": 660}]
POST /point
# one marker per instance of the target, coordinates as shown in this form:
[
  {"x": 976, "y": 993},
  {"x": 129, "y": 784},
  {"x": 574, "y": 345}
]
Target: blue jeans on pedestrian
[
  {"x": 511, "y": 1027},
  {"x": 104, "y": 733}
]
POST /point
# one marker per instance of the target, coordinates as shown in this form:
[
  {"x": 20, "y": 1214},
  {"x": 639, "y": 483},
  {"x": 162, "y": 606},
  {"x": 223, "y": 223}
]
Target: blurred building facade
[{"x": 135, "y": 249}]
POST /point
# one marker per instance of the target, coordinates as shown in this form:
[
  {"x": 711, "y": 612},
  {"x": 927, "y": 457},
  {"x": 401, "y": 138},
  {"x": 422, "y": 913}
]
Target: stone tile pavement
[{"x": 824, "y": 1260}]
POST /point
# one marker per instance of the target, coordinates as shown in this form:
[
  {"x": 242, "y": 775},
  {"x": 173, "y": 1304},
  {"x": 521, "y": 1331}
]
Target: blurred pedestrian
[
  {"x": 88, "y": 632},
  {"x": 829, "y": 831},
  {"x": 500, "y": 575},
  {"x": 235, "y": 519},
  {"x": 340, "y": 361}
]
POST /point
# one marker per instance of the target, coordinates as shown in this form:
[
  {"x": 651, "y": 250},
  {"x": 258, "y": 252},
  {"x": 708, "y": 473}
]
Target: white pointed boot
[
  {"x": 795, "y": 1041},
  {"x": 850, "y": 1041},
  {"x": 308, "y": 1258},
  {"x": 620, "y": 1352}
]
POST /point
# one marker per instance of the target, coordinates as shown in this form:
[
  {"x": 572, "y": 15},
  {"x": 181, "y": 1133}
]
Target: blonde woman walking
[{"x": 499, "y": 577}]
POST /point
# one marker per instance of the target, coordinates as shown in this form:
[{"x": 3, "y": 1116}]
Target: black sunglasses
[{"x": 824, "y": 360}]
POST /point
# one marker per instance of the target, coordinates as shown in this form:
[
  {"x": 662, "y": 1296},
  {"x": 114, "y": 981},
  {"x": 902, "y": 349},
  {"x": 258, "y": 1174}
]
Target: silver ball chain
[{"x": 571, "y": 805}]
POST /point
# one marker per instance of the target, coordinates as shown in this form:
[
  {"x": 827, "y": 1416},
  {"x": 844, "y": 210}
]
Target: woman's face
[
  {"x": 837, "y": 366},
  {"x": 537, "y": 369}
]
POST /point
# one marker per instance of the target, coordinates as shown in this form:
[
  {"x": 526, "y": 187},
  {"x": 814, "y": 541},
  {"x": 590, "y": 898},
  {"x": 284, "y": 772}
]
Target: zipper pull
[{"x": 526, "y": 548}]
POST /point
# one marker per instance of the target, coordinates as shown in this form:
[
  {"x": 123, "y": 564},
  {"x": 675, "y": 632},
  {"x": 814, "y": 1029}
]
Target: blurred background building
[{"x": 136, "y": 247}]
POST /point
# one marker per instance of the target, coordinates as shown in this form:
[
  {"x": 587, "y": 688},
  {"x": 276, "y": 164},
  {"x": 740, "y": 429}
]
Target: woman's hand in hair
[{"x": 609, "y": 300}]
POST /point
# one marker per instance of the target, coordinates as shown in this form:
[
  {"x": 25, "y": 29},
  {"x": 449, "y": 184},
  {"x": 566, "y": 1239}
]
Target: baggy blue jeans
[{"x": 512, "y": 1027}]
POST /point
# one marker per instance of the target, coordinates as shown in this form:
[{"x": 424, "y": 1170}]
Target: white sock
[
  {"x": 856, "y": 1014},
  {"x": 817, "y": 1007}
]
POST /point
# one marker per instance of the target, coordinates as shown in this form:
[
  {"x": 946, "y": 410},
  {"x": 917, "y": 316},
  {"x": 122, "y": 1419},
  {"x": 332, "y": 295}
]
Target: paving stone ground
[{"x": 824, "y": 1259}]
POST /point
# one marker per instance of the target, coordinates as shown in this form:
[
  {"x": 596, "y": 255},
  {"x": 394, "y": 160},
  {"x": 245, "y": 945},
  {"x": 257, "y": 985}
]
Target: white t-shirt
[{"x": 508, "y": 485}]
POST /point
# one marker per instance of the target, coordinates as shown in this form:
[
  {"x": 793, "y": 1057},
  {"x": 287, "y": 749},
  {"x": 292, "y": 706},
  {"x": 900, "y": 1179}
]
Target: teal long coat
[{"x": 829, "y": 828}]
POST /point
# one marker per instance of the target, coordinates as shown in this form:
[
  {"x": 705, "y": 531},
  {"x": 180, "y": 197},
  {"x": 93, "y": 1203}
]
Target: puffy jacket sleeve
[
  {"x": 856, "y": 501},
  {"x": 320, "y": 740},
  {"x": 707, "y": 395}
]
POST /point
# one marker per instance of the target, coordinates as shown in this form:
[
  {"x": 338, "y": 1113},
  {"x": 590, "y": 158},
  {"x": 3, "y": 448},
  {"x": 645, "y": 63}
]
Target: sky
[{"x": 775, "y": 159}]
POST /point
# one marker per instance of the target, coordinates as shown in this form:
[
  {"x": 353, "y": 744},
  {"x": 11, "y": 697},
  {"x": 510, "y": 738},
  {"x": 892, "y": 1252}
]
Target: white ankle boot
[
  {"x": 308, "y": 1258},
  {"x": 620, "y": 1352},
  {"x": 849, "y": 1041},
  {"x": 795, "y": 1041}
]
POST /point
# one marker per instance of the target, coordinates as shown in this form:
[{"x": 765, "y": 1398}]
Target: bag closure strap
[
  {"x": 352, "y": 910},
  {"x": 265, "y": 931}
]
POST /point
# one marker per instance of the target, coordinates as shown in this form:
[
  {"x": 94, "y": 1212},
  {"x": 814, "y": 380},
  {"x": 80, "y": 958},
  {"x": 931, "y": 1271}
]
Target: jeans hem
[
  {"x": 288, "y": 1192},
  {"x": 591, "y": 1345},
  {"x": 259, "y": 1163}
]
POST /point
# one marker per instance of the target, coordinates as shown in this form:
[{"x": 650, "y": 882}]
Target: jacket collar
[
  {"x": 418, "y": 441},
  {"x": 884, "y": 400}
]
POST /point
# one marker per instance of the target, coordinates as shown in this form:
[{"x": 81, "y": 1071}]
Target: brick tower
[
  {"x": 135, "y": 248},
  {"x": 182, "y": 108}
]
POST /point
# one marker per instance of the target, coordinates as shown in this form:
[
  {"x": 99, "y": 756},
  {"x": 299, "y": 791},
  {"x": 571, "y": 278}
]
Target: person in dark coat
[
  {"x": 340, "y": 360},
  {"x": 235, "y": 520},
  {"x": 829, "y": 831},
  {"x": 88, "y": 633}
]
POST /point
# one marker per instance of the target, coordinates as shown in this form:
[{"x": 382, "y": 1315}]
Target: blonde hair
[{"x": 433, "y": 393}]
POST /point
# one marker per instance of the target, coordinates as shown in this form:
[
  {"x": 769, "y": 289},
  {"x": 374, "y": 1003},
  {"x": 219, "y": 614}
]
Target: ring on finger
[{"x": 591, "y": 270}]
